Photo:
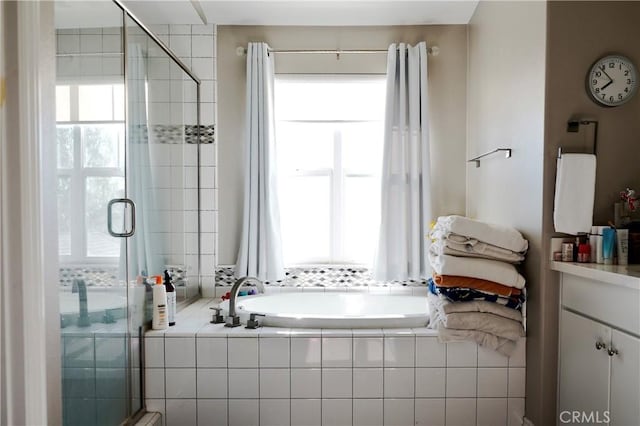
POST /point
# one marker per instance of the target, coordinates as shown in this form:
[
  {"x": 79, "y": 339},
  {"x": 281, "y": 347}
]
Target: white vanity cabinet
[{"x": 599, "y": 345}]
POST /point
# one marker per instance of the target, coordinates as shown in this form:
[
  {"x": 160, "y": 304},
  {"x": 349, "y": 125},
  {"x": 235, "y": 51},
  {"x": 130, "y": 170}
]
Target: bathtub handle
[
  {"x": 216, "y": 318},
  {"x": 253, "y": 323}
]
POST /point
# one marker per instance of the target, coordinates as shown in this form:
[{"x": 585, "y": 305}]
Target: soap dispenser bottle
[
  {"x": 171, "y": 298},
  {"x": 159, "y": 321}
]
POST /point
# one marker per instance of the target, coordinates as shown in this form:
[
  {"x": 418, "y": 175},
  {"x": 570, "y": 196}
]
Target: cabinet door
[
  {"x": 583, "y": 369},
  {"x": 625, "y": 380}
]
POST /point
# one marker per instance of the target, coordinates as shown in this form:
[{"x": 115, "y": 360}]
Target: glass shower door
[{"x": 91, "y": 171}]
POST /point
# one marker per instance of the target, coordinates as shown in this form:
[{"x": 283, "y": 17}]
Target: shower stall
[{"x": 128, "y": 139}]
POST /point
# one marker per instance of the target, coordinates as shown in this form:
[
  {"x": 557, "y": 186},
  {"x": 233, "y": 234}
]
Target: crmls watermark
[{"x": 581, "y": 417}]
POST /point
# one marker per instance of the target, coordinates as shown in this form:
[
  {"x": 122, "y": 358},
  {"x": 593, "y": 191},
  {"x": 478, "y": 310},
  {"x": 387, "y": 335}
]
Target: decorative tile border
[
  {"x": 174, "y": 134},
  {"x": 94, "y": 276},
  {"x": 207, "y": 134},
  {"x": 320, "y": 276}
]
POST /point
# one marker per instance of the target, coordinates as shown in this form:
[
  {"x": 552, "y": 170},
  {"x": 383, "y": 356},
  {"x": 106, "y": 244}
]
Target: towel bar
[
  {"x": 561, "y": 151},
  {"x": 507, "y": 154},
  {"x": 573, "y": 126}
]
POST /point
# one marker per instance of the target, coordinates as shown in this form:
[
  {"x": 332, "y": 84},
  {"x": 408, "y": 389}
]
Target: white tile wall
[
  {"x": 306, "y": 412},
  {"x": 491, "y": 411},
  {"x": 329, "y": 377},
  {"x": 212, "y": 412},
  {"x": 243, "y": 383},
  {"x": 275, "y": 383},
  {"x": 336, "y": 412},
  {"x": 306, "y": 383},
  {"x": 368, "y": 412},
  {"x": 336, "y": 352},
  {"x": 368, "y": 382},
  {"x": 244, "y": 353},
  {"x": 180, "y": 382},
  {"x": 337, "y": 382},
  {"x": 368, "y": 352},
  {"x": 399, "y": 412},
  {"x": 274, "y": 352},
  {"x": 306, "y": 352},
  {"x": 430, "y": 412},
  {"x": 275, "y": 412},
  {"x": 244, "y": 412}
]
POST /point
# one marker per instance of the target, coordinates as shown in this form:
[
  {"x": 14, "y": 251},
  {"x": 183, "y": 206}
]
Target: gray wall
[
  {"x": 571, "y": 50},
  {"x": 447, "y": 80},
  {"x": 613, "y": 28},
  {"x": 506, "y": 95}
]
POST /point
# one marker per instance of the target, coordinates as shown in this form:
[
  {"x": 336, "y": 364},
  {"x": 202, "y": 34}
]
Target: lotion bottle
[
  {"x": 159, "y": 321},
  {"x": 171, "y": 298}
]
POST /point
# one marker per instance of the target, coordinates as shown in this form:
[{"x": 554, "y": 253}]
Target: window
[
  {"x": 90, "y": 165},
  {"x": 329, "y": 135}
]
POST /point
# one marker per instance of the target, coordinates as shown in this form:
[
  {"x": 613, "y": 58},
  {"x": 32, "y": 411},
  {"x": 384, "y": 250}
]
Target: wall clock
[{"x": 612, "y": 80}]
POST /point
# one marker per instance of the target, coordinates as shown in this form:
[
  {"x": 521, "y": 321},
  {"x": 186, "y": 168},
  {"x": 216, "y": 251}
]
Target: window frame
[
  {"x": 79, "y": 174},
  {"x": 337, "y": 174}
]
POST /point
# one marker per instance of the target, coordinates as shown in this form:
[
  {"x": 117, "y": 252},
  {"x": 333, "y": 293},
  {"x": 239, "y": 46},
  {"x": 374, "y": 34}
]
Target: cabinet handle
[
  {"x": 611, "y": 351},
  {"x": 600, "y": 345}
]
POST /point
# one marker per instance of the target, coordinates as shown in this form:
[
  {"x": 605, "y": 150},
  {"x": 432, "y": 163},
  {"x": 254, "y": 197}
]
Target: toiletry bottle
[
  {"x": 622, "y": 238},
  {"x": 593, "y": 242},
  {"x": 171, "y": 298},
  {"x": 584, "y": 253},
  {"x": 159, "y": 321},
  {"x": 608, "y": 245},
  {"x": 599, "y": 256}
]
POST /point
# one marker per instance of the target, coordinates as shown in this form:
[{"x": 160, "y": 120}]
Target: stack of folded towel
[{"x": 476, "y": 293}]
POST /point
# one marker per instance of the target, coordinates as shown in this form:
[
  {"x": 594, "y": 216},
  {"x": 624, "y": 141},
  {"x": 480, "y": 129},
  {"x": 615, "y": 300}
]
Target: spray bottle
[{"x": 171, "y": 298}]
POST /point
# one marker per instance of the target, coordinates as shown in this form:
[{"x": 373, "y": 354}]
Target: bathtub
[{"x": 334, "y": 310}]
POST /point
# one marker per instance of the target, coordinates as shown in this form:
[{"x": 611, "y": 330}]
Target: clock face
[{"x": 612, "y": 80}]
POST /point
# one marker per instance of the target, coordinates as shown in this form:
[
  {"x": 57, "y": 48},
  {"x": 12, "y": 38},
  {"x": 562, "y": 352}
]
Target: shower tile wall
[
  {"x": 195, "y": 45},
  {"x": 177, "y": 193}
]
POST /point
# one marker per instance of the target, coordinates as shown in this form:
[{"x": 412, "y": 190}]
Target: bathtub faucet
[
  {"x": 80, "y": 287},
  {"x": 233, "y": 320}
]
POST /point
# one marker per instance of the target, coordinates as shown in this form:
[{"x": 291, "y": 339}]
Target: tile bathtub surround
[{"x": 280, "y": 376}]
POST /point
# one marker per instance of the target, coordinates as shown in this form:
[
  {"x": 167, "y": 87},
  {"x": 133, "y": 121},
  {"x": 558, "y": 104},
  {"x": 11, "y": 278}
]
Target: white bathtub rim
[{"x": 341, "y": 321}]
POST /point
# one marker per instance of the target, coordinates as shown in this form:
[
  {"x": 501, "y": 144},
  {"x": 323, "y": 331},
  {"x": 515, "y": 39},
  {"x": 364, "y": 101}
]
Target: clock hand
[
  {"x": 606, "y": 85},
  {"x": 605, "y": 73}
]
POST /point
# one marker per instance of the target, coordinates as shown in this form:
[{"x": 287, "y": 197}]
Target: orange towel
[{"x": 476, "y": 284}]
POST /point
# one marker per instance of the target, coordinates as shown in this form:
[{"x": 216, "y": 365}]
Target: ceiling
[{"x": 303, "y": 12}]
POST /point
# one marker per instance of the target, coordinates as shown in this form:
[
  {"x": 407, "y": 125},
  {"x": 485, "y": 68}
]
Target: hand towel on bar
[
  {"x": 459, "y": 245},
  {"x": 492, "y": 270},
  {"x": 497, "y": 235},
  {"x": 575, "y": 188}
]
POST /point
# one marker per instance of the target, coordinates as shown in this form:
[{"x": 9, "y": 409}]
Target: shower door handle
[{"x": 125, "y": 201}]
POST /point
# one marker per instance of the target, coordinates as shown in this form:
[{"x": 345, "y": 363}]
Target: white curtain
[
  {"x": 260, "y": 253},
  {"x": 406, "y": 185},
  {"x": 145, "y": 247}
]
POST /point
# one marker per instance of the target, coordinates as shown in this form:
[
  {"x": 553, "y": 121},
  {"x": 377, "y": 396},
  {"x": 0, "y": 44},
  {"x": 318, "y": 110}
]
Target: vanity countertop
[{"x": 626, "y": 276}]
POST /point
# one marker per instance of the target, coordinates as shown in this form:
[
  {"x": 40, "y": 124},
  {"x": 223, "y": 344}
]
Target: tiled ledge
[{"x": 193, "y": 321}]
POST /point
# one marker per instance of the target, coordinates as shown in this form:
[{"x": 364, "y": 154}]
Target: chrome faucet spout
[{"x": 233, "y": 320}]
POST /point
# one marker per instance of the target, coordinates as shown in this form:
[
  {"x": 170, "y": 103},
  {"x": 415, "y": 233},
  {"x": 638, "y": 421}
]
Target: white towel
[
  {"x": 492, "y": 270},
  {"x": 457, "y": 245},
  {"x": 575, "y": 188},
  {"x": 498, "y": 235}
]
